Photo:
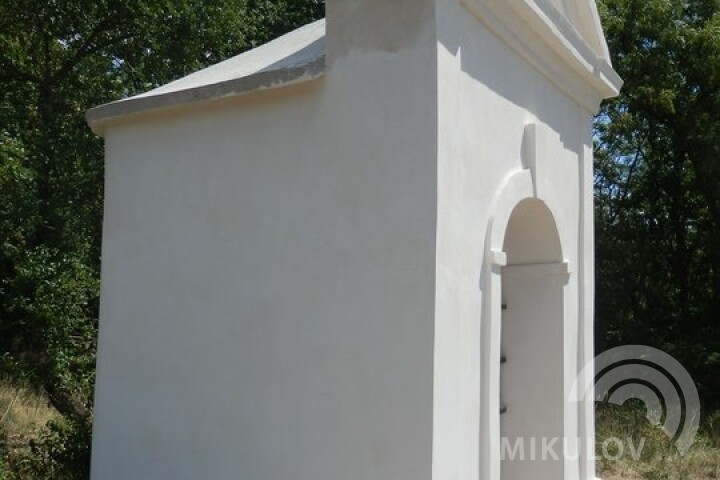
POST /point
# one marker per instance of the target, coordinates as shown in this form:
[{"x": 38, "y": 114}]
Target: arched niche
[
  {"x": 531, "y": 373},
  {"x": 531, "y": 235},
  {"x": 526, "y": 271}
]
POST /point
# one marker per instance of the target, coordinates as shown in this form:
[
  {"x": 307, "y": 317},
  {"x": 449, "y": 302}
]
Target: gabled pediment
[
  {"x": 555, "y": 35},
  {"x": 583, "y": 16}
]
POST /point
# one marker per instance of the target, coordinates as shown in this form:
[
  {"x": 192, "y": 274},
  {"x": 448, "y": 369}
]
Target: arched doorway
[{"x": 532, "y": 345}]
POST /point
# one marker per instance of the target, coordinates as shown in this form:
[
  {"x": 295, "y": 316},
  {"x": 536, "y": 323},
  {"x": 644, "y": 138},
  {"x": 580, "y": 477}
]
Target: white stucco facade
[{"x": 310, "y": 251}]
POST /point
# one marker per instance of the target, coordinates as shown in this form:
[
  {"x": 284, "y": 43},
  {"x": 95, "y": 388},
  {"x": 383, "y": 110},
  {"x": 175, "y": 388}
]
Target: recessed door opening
[{"x": 531, "y": 346}]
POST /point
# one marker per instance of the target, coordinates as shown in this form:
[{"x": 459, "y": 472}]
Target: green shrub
[{"x": 62, "y": 452}]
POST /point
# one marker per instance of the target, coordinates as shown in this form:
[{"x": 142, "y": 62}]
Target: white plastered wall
[
  {"x": 506, "y": 133},
  {"x": 268, "y": 278},
  {"x": 305, "y": 283}
]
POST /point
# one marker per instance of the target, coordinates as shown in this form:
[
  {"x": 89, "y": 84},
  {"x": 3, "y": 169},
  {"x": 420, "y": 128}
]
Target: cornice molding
[{"x": 548, "y": 41}]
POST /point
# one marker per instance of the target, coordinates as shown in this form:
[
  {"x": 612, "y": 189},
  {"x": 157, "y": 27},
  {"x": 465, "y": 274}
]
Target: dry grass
[
  {"x": 659, "y": 459},
  {"x": 23, "y": 413}
]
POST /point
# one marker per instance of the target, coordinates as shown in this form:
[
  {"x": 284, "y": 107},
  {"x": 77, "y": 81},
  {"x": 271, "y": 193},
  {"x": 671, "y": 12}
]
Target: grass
[
  {"x": 659, "y": 459},
  {"x": 23, "y": 414}
]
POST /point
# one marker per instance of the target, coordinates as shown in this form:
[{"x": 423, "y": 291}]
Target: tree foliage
[{"x": 658, "y": 184}]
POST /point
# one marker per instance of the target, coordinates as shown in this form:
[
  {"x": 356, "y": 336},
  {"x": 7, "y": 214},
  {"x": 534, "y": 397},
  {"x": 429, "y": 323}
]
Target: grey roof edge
[{"x": 262, "y": 80}]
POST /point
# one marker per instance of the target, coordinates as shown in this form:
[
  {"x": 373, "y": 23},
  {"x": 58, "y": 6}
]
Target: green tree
[
  {"x": 658, "y": 184},
  {"x": 57, "y": 59}
]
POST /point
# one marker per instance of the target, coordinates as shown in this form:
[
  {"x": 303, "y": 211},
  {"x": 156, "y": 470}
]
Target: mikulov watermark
[{"x": 638, "y": 372}]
